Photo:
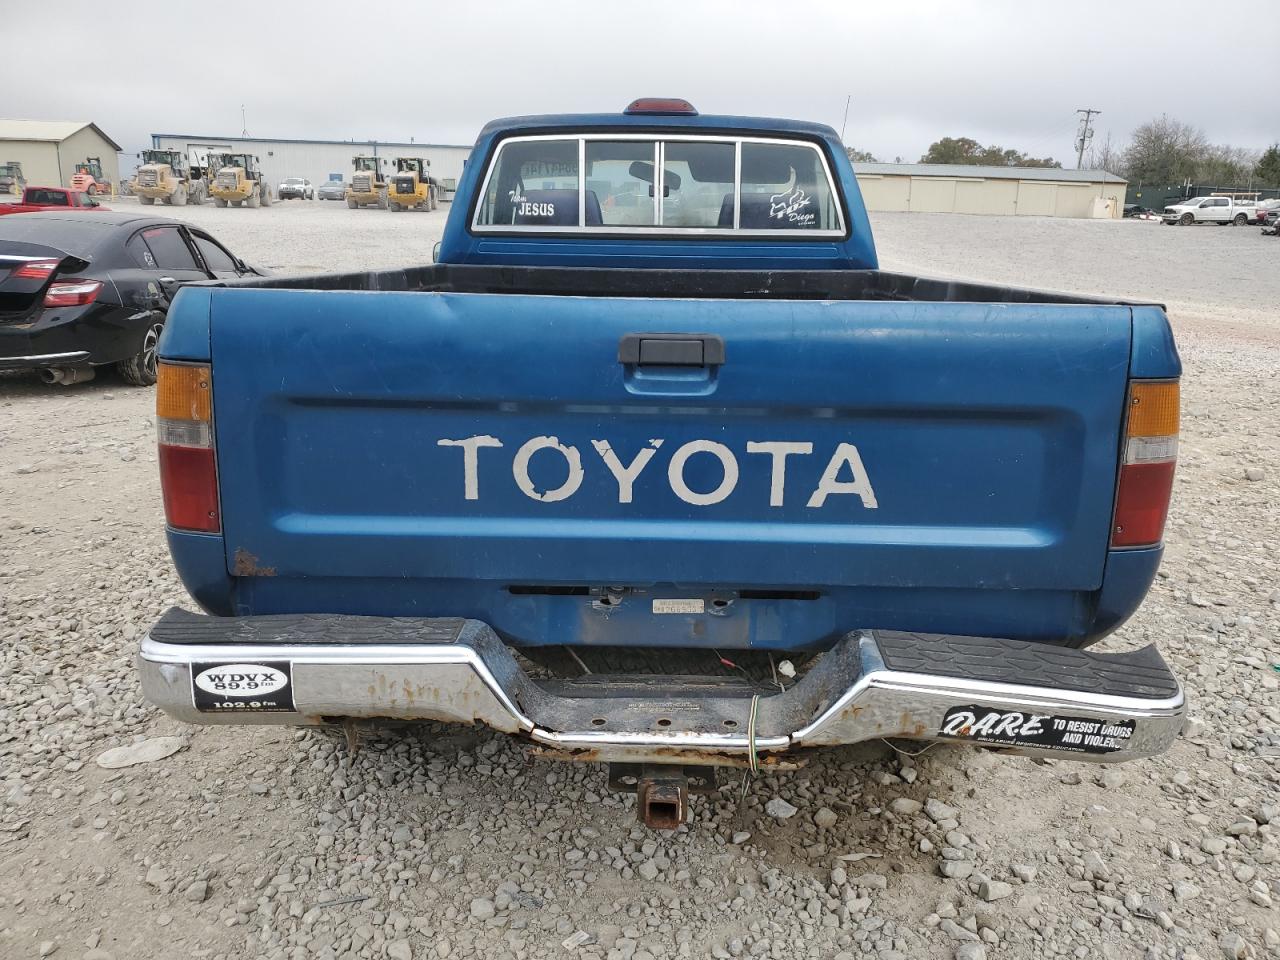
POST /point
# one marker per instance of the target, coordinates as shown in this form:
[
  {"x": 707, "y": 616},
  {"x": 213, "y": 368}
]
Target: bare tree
[
  {"x": 1169, "y": 152},
  {"x": 1164, "y": 150},
  {"x": 1105, "y": 156},
  {"x": 1227, "y": 165}
]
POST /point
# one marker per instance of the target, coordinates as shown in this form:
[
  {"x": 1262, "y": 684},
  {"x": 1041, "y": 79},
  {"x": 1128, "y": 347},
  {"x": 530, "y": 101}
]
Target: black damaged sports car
[{"x": 84, "y": 290}]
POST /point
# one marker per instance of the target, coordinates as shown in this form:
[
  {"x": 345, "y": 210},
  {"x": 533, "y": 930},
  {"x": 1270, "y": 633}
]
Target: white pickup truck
[{"x": 1221, "y": 210}]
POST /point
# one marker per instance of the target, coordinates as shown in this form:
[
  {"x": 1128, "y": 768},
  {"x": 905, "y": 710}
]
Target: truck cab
[
  {"x": 659, "y": 185},
  {"x": 39, "y": 199}
]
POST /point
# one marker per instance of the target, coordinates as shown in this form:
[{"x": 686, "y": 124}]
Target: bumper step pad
[{"x": 1027, "y": 698}]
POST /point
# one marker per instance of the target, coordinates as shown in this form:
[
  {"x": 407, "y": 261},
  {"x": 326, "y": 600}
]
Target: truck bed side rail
[{"x": 710, "y": 284}]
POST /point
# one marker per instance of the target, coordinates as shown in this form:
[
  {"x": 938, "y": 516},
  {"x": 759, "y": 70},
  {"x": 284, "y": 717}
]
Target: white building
[
  {"x": 1003, "y": 191},
  {"x": 316, "y": 160}
]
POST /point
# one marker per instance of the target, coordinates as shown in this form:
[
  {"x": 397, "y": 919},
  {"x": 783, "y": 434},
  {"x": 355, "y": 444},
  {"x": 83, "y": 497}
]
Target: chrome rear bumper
[{"x": 1026, "y": 698}]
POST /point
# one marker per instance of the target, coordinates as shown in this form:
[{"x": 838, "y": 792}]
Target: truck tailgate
[{"x": 960, "y": 447}]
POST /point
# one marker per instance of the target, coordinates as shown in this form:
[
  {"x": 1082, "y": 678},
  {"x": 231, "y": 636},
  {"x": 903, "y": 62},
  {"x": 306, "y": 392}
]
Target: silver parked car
[{"x": 332, "y": 190}]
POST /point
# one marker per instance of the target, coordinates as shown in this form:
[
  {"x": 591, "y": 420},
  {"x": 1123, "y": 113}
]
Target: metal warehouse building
[
  {"x": 999, "y": 191},
  {"x": 50, "y": 149},
  {"x": 315, "y": 160}
]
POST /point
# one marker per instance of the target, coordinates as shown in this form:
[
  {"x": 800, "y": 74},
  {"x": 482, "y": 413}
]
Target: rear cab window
[
  {"x": 49, "y": 198},
  {"x": 659, "y": 184}
]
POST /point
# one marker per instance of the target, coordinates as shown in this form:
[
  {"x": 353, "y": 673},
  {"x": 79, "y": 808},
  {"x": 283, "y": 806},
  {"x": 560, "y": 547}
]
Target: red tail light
[
  {"x": 188, "y": 469},
  {"x": 35, "y": 270},
  {"x": 72, "y": 293},
  {"x": 1150, "y": 456},
  {"x": 189, "y": 481}
]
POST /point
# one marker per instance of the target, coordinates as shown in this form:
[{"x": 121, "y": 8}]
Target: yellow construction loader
[
  {"x": 410, "y": 188},
  {"x": 166, "y": 176},
  {"x": 238, "y": 181},
  {"x": 11, "y": 179},
  {"x": 368, "y": 183}
]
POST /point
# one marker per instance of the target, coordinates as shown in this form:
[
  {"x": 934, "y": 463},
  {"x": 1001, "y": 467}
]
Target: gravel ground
[{"x": 434, "y": 842}]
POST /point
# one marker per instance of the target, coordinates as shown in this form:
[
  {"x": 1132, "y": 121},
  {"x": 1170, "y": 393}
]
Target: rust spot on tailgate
[{"x": 246, "y": 564}]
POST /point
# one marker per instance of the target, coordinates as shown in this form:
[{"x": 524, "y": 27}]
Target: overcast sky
[{"x": 1011, "y": 73}]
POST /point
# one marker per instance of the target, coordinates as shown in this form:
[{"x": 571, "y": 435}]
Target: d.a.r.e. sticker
[
  {"x": 245, "y": 687},
  {"x": 1016, "y": 728}
]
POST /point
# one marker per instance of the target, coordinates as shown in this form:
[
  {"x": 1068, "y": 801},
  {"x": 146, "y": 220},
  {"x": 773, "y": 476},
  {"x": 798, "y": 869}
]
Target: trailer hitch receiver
[{"x": 662, "y": 791}]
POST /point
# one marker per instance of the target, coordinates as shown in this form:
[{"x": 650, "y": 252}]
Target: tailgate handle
[{"x": 671, "y": 349}]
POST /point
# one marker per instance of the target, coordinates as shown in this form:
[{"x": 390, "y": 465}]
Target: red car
[{"x": 35, "y": 199}]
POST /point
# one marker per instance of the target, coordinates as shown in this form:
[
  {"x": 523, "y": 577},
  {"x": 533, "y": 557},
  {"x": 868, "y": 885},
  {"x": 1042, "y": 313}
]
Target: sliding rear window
[{"x": 646, "y": 184}]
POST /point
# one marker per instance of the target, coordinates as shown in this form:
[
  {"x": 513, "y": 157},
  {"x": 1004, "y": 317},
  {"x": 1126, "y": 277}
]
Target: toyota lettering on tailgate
[{"x": 844, "y": 473}]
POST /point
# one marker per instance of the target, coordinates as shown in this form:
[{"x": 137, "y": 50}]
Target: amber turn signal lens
[
  {"x": 183, "y": 393},
  {"x": 1153, "y": 409}
]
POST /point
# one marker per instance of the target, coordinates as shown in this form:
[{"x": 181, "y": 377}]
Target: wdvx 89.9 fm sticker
[{"x": 250, "y": 687}]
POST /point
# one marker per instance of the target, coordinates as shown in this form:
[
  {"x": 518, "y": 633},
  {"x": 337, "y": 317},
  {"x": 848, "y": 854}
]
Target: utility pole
[
  {"x": 1085, "y": 135},
  {"x": 846, "y": 116}
]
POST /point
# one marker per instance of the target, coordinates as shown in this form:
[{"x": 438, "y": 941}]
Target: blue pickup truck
[{"x": 655, "y": 467}]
